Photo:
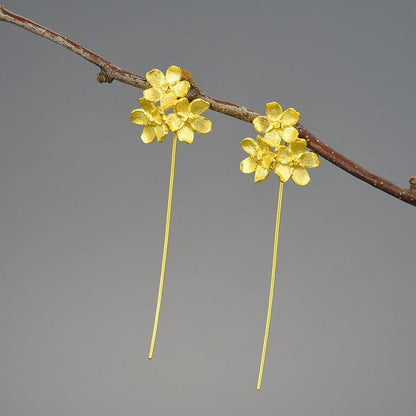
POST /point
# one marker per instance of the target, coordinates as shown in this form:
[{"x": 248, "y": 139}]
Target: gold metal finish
[
  {"x": 165, "y": 247},
  {"x": 282, "y": 151},
  {"x": 183, "y": 120},
  {"x": 272, "y": 283}
]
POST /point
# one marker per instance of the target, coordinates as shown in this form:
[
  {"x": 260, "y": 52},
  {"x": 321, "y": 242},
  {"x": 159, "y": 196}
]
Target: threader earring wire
[
  {"x": 165, "y": 247},
  {"x": 272, "y": 284}
]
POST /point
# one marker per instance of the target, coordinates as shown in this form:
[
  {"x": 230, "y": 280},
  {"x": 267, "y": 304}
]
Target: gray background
[{"x": 83, "y": 203}]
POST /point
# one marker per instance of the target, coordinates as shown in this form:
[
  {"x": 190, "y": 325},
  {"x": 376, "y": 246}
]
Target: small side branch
[{"x": 109, "y": 72}]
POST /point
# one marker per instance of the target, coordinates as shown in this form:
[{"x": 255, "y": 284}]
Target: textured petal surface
[
  {"x": 309, "y": 160},
  {"x": 284, "y": 155},
  {"x": 289, "y": 134},
  {"x": 261, "y": 124},
  {"x": 201, "y": 125},
  {"x": 173, "y": 74},
  {"x": 147, "y": 105},
  {"x": 261, "y": 174},
  {"x": 283, "y": 172},
  {"x": 186, "y": 134},
  {"x": 199, "y": 106},
  {"x": 182, "y": 107},
  {"x": 273, "y": 111},
  {"x": 156, "y": 115},
  {"x": 267, "y": 160},
  {"x": 155, "y": 78},
  {"x": 148, "y": 134},
  {"x": 249, "y": 146},
  {"x": 248, "y": 165},
  {"x": 263, "y": 147},
  {"x": 298, "y": 146},
  {"x": 300, "y": 176},
  {"x": 167, "y": 100},
  {"x": 272, "y": 138},
  {"x": 152, "y": 94},
  {"x": 174, "y": 122},
  {"x": 181, "y": 88},
  {"x": 161, "y": 133},
  {"x": 138, "y": 116},
  {"x": 290, "y": 117}
]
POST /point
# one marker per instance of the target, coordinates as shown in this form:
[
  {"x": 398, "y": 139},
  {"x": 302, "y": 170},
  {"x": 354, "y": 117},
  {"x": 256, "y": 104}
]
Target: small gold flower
[
  {"x": 153, "y": 120},
  {"x": 261, "y": 159},
  {"x": 166, "y": 88},
  {"x": 277, "y": 125},
  {"x": 292, "y": 161},
  {"x": 186, "y": 119}
]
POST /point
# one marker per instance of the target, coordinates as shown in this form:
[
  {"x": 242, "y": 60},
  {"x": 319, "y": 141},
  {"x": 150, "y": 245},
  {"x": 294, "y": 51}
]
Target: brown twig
[{"x": 110, "y": 72}]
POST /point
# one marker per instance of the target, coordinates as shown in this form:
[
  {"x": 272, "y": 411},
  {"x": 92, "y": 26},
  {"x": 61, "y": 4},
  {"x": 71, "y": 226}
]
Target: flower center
[{"x": 165, "y": 87}]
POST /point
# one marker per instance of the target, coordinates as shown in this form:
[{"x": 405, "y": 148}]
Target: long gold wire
[
  {"x": 272, "y": 281},
  {"x": 165, "y": 248}
]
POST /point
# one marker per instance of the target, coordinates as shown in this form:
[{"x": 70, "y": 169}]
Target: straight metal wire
[
  {"x": 272, "y": 282},
  {"x": 165, "y": 247}
]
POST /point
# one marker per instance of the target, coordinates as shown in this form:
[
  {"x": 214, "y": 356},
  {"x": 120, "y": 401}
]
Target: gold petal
[
  {"x": 201, "y": 125},
  {"x": 161, "y": 133},
  {"x": 173, "y": 74},
  {"x": 289, "y": 117},
  {"x": 138, "y": 116},
  {"x": 174, "y": 122},
  {"x": 289, "y": 134},
  {"x": 158, "y": 117},
  {"x": 283, "y": 172},
  {"x": 284, "y": 155},
  {"x": 147, "y": 105},
  {"x": 261, "y": 174},
  {"x": 181, "y": 88},
  {"x": 152, "y": 94},
  {"x": 182, "y": 107},
  {"x": 300, "y": 176},
  {"x": 155, "y": 78},
  {"x": 298, "y": 147},
  {"x": 267, "y": 160},
  {"x": 168, "y": 100},
  {"x": 248, "y": 165},
  {"x": 262, "y": 125},
  {"x": 309, "y": 160},
  {"x": 199, "y": 106},
  {"x": 272, "y": 138},
  {"x": 185, "y": 134},
  {"x": 273, "y": 111},
  {"x": 148, "y": 134},
  {"x": 263, "y": 147},
  {"x": 249, "y": 146}
]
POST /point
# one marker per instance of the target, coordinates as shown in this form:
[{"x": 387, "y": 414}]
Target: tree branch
[{"x": 109, "y": 72}]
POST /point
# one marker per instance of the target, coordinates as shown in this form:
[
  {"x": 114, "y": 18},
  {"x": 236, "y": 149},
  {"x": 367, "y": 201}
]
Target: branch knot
[
  {"x": 102, "y": 77},
  {"x": 412, "y": 182}
]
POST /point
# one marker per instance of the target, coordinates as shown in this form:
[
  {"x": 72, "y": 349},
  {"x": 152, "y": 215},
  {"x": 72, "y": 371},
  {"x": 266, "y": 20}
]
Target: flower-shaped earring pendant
[
  {"x": 279, "y": 150},
  {"x": 184, "y": 118}
]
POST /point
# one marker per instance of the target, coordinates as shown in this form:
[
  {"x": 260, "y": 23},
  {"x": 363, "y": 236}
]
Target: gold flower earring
[
  {"x": 282, "y": 151},
  {"x": 183, "y": 119}
]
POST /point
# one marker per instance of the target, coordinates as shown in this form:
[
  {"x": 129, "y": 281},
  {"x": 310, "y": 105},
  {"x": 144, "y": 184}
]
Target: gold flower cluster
[
  {"x": 170, "y": 91},
  {"x": 279, "y": 149}
]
